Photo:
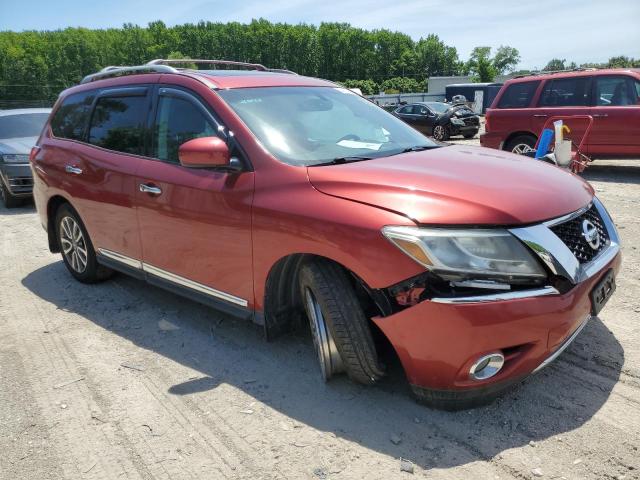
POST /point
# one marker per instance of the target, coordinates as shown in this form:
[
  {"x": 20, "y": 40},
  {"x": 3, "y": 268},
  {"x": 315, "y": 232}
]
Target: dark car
[
  {"x": 19, "y": 130},
  {"x": 440, "y": 120}
]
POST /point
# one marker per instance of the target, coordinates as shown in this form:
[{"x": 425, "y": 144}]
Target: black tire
[
  {"x": 517, "y": 144},
  {"x": 469, "y": 135},
  {"x": 441, "y": 132},
  {"x": 345, "y": 319},
  {"x": 93, "y": 272},
  {"x": 9, "y": 200}
]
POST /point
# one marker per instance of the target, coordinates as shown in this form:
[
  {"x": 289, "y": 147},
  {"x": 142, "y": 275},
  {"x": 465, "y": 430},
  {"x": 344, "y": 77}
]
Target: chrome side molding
[
  {"x": 497, "y": 297},
  {"x": 172, "y": 277}
]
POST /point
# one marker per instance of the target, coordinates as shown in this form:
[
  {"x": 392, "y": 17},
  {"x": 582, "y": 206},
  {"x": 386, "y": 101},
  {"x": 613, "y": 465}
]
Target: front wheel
[
  {"x": 76, "y": 247},
  {"x": 8, "y": 199},
  {"x": 441, "y": 133},
  {"x": 340, "y": 330}
]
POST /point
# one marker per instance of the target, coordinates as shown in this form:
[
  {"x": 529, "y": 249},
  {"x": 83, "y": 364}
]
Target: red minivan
[
  {"x": 274, "y": 196},
  {"x": 611, "y": 97}
]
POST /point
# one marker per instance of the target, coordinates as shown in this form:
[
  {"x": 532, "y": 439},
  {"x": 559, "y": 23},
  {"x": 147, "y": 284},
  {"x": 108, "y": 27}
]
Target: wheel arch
[
  {"x": 53, "y": 204},
  {"x": 518, "y": 134},
  {"x": 282, "y": 300}
]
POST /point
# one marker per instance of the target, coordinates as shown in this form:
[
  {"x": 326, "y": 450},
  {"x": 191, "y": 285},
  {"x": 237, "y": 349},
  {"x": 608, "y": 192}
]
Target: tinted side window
[
  {"x": 178, "y": 121},
  {"x": 70, "y": 120},
  {"x": 566, "y": 92},
  {"x": 118, "y": 123},
  {"x": 406, "y": 110},
  {"x": 614, "y": 91},
  {"x": 518, "y": 95}
]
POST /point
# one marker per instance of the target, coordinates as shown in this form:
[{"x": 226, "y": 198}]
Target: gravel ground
[{"x": 122, "y": 380}]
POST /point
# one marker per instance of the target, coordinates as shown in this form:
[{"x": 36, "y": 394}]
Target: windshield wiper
[
  {"x": 341, "y": 160},
  {"x": 418, "y": 148}
]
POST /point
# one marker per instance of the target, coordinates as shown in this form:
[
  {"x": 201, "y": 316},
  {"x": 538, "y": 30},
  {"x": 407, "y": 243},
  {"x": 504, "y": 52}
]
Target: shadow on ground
[
  {"x": 27, "y": 206},
  {"x": 284, "y": 375}
]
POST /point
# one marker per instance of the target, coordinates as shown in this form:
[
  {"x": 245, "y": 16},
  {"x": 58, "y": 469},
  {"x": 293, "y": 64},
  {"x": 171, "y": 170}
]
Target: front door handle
[
  {"x": 540, "y": 115},
  {"x": 600, "y": 115},
  {"x": 72, "y": 169},
  {"x": 153, "y": 190}
]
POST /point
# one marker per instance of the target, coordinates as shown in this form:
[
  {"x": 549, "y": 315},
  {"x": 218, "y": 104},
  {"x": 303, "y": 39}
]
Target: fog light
[{"x": 487, "y": 366}]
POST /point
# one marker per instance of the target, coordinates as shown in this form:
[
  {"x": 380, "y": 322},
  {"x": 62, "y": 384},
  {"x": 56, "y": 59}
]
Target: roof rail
[
  {"x": 161, "y": 61},
  {"x": 112, "y": 71},
  {"x": 551, "y": 72}
]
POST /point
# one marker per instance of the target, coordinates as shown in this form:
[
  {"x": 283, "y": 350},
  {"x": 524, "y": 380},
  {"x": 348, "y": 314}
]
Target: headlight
[
  {"x": 481, "y": 252},
  {"x": 12, "y": 158},
  {"x": 457, "y": 121}
]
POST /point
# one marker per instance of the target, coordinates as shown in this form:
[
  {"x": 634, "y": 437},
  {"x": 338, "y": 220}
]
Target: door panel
[
  {"x": 198, "y": 226},
  {"x": 616, "y": 114},
  {"x": 102, "y": 175}
]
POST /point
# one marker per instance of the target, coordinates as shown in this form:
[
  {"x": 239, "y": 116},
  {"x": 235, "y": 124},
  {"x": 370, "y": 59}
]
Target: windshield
[
  {"x": 22, "y": 125},
  {"x": 439, "y": 107},
  {"x": 313, "y": 125}
]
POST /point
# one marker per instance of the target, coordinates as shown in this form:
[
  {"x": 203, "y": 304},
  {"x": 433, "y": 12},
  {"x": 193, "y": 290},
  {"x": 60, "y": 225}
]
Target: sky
[{"x": 580, "y": 31}]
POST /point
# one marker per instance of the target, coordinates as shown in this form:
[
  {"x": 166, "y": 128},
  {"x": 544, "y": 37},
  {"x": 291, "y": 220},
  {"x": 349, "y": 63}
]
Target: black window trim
[
  {"x": 85, "y": 130},
  {"x": 589, "y": 89},
  {"x": 184, "y": 93},
  {"x": 122, "y": 91}
]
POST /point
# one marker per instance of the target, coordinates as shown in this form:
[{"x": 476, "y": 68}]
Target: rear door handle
[
  {"x": 72, "y": 169},
  {"x": 153, "y": 190},
  {"x": 600, "y": 115},
  {"x": 540, "y": 115}
]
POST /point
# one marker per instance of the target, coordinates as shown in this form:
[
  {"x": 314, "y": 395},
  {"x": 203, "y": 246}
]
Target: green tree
[{"x": 367, "y": 87}]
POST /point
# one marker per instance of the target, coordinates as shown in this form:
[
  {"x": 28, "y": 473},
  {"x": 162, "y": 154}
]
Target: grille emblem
[{"x": 590, "y": 234}]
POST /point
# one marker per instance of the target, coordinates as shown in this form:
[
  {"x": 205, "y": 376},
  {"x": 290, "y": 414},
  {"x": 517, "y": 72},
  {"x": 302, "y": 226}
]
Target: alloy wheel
[
  {"x": 521, "y": 148},
  {"x": 328, "y": 356},
  {"x": 438, "y": 132},
  {"x": 73, "y": 244}
]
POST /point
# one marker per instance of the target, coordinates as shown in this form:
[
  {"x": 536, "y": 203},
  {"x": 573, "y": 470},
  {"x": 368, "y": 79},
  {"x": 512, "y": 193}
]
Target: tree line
[
  {"x": 39, "y": 64},
  {"x": 44, "y": 62}
]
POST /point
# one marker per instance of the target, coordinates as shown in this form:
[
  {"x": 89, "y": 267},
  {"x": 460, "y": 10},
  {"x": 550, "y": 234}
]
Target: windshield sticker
[{"x": 356, "y": 144}]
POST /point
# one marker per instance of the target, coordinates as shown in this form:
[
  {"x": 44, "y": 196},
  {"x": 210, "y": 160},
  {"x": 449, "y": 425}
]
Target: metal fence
[{"x": 28, "y": 96}]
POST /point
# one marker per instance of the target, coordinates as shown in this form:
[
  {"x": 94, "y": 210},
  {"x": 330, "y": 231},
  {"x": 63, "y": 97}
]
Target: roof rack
[
  {"x": 551, "y": 72},
  {"x": 113, "y": 71},
  {"x": 161, "y": 61},
  {"x": 161, "y": 65}
]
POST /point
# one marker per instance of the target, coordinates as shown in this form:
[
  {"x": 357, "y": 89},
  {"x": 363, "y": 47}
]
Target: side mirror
[{"x": 204, "y": 152}]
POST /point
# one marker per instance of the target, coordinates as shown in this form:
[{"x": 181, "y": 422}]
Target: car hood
[
  {"x": 458, "y": 185},
  {"x": 17, "y": 146}
]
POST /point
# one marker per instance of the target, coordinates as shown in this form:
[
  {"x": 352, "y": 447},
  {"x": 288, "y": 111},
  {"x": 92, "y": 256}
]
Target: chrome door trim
[
  {"x": 185, "y": 282},
  {"x": 118, "y": 257},
  {"x": 172, "y": 277},
  {"x": 564, "y": 345},
  {"x": 497, "y": 297}
]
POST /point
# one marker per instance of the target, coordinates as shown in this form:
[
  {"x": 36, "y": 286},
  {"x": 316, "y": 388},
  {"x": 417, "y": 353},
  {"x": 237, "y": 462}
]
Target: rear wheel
[
  {"x": 521, "y": 144},
  {"x": 8, "y": 199},
  {"x": 76, "y": 247},
  {"x": 441, "y": 133},
  {"x": 340, "y": 330}
]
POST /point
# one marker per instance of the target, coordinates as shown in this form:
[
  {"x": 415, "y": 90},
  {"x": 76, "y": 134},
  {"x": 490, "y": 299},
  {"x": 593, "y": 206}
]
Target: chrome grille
[{"x": 571, "y": 233}]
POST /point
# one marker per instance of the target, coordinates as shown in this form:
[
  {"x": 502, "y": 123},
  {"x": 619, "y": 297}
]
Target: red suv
[
  {"x": 272, "y": 196},
  {"x": 611, "y": 97}
]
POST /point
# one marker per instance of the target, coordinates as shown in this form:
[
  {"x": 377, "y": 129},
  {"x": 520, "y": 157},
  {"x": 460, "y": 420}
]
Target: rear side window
[
  {"x": 613, "y": 91},
  {"x": 118, "y": 123},
  {"x": 70, "y": 120},
  {"x": 518, "y": 95},
  {"x": 177, "y": 122},
  {"x": 566, "y": 92}
]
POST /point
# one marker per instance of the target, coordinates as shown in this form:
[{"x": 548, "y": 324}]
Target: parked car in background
[
  {"x": 274, "y": 197},
  {"x": 19, "y": 130},
  {"x": 611, "y": 97},
  {"x": 440, "y": 120}
]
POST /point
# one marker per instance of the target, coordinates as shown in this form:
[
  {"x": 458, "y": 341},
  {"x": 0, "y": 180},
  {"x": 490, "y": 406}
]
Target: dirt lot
[{"x": 122, "y": 380}]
